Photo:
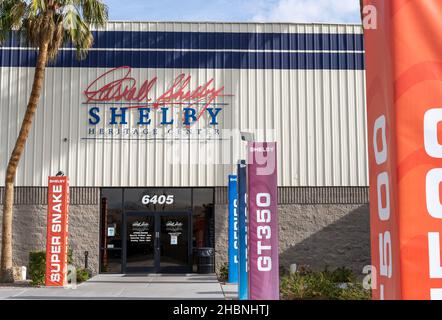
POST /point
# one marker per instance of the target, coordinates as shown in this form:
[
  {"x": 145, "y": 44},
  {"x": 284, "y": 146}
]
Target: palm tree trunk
[
  {"x": 361, "y": 5},
  {"x": 6, "y": 257}
]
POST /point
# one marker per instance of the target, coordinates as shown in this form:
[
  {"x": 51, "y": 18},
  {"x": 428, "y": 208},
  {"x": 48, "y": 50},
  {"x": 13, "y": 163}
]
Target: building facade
[{"x": 148, "y": 128}]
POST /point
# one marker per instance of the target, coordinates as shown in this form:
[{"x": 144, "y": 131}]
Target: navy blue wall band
[
  {"x": 220, "y": 40},
  {"x": 192, "y": 60}
]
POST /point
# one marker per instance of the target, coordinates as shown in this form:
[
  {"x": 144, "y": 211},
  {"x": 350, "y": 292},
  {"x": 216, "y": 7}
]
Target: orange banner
[
  {"x": 57, "y": 232},
  {"x": 404, "y": 103}
]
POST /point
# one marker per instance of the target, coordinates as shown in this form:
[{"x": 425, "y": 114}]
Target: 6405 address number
[{"x": 155, "y": 199}]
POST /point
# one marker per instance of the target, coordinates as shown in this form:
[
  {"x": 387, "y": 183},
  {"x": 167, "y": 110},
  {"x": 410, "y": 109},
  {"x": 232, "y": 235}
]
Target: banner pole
[
  {"x": 263, "y": 222},
  {"x": 57, "y": 232},
  {"x": 233, "y": 230},
  {"x": 243, "y": 286}
]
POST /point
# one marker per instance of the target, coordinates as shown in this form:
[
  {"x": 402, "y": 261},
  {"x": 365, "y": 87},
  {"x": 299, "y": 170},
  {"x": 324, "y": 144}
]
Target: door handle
[{"x": 157, "y": 235}]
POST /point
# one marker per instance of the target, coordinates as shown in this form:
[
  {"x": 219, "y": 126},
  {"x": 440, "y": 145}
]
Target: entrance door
[
  {"x": 141, "y": 243},
  {"x": 175, "y": 243},
  {"x": 158, "y": 242}
]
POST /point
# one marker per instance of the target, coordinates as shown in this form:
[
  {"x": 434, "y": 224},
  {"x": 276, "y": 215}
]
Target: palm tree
[
  {"x": 361, "y": 5},
  {"x": 46, "y": 25}
]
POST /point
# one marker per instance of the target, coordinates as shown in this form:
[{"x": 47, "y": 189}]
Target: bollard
[{"x": 86, "y": 255}]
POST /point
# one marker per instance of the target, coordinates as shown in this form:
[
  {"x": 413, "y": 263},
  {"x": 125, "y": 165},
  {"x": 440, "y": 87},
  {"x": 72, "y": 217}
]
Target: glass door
[
  {"x": 158, "y": 242},
  {"x": 141, "y": 243},
  {"x": 175, "y": 242}
]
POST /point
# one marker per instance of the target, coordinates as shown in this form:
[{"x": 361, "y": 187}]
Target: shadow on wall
[
  {"x": 221, "y": 235},
  {"x": 344, "y": 242},
  {"x": 29, "y": 231}
]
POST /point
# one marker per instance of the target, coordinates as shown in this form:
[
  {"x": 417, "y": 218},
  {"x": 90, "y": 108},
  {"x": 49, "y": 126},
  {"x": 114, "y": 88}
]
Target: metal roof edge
[{"x": 242, "y": 22}]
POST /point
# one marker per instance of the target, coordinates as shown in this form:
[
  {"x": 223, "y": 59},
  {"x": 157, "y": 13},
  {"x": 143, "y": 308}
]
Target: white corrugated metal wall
[{"x": 316, "y": 114}]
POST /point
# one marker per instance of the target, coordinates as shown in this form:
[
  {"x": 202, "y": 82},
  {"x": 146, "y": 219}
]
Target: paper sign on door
[{"x": 173, "y": 240}]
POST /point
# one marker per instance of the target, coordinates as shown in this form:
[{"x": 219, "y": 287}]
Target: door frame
[
  {"x": 124, "y": 238},
  {"x": 157, "y": 229},
  {"x": 185, "y": 269}
]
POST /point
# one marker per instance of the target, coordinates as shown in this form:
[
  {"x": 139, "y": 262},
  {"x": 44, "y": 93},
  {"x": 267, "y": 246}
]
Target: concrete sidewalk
[
  {"x": 110, "y": 287},
  {"x": 230, "y": 291}
]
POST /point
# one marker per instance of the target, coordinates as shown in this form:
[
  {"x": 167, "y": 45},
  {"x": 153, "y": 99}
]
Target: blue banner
[
  {"x": 233, "y": 229},
  {"x": 243, "y": 287}
]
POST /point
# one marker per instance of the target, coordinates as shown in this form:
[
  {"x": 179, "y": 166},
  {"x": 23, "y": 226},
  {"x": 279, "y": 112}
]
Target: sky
[{"x": 332, "y": 11}]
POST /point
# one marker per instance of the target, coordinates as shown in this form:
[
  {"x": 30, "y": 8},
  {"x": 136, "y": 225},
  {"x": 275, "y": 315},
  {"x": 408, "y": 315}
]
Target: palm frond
[
  {"x": 80, "y": 35},
  {"x": 11, "y": 16},
  {"x": 53, "y": 23},
  {"x": 95, "y": 12}
]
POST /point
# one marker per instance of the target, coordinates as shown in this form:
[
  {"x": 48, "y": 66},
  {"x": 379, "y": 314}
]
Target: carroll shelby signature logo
[
  {"x": 140, "y": 225},
  {"x": 127, "y": 89},
  {"x": 174, "y": 226}
]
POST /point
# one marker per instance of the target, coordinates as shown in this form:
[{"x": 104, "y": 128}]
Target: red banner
[
  {"x": 57, "y": 232},
  {"x": 263, "y": 221},
  {"x": 404, "y": 92}
]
